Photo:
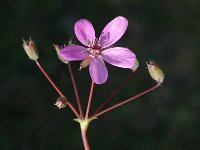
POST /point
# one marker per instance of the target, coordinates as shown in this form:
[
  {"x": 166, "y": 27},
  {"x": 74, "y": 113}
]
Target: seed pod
[{"x": 61, "y": 102}]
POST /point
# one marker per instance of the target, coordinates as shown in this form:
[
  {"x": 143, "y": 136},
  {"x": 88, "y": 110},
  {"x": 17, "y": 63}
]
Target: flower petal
[
  {"x": 84, "y": 31},
  {"x": 98, "y": 71},
  {"x": 120, "y": 57},
  {"x": 73, "y": 52},
  {"x": 113, "y": 31}
]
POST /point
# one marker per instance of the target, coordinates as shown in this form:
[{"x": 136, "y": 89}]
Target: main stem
[
  {"x": 76, "y": 90},
  {"x": 126, "y": 101},
  {"x": 84, "y": 125},
  {"x": 57, "y": 89},
  {"x": 89, "y": 100}
]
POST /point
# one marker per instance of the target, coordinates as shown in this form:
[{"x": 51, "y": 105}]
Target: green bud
[
  {"x": 30, "y": 49},
  {"x": 155, "y": 71}
]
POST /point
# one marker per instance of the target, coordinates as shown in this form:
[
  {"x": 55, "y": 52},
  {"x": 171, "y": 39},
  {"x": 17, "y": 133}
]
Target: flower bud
[
  {"x": 57, "y": 48},
  {"x": 155, "y": 71},
  {"x": 30, "y": 49},
  {"x": 136, "y": 65},
  {"x": 61, "y": 102}
]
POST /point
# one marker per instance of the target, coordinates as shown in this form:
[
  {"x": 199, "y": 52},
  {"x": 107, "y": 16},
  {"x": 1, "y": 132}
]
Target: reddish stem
[
  {"x": 90, "y": 100},
  {"x": 57, "y": 89},
  {"x": 84, "y": 138},
  {"x": 123, "y": 83},
  {"x": 126, "y": 101},
  {"x": 73, "y": 108},
  {"x": 75, "y": 90},
  {"x": 49, "y": 79}
]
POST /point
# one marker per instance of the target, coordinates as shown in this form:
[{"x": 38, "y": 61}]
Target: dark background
[{"x": 167, "y": 31}]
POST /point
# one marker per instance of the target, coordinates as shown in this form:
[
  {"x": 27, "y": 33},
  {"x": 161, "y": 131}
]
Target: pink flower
[{"x": 98, "y": 50}]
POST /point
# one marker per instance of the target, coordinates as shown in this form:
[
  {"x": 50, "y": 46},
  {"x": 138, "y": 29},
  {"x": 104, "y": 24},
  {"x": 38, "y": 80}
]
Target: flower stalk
[
  {"x": 75, "y": 90},
  {"x": 125, "y": 101},
  {"x": 49, "y": 79},
  {"x": 123, "y": 83},
  {"x": 89, "y": 100},
  {"x": 57, "y": 89}
]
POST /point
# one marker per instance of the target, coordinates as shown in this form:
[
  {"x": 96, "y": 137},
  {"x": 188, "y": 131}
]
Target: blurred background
[{"x": 167, "y": 31}]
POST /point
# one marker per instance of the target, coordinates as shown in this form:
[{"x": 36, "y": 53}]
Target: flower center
[{"x": 94, "y": 49}]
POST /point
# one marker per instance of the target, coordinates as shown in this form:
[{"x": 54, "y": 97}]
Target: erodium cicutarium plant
[{"x": 94, "y": 53}]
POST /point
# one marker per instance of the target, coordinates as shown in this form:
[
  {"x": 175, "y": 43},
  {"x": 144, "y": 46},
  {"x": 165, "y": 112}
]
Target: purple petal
[
  {"x": 73, "y": 52},
  {"x": 98, "y": 71},
  {"x": 84, "y": 31},
  {"x": 113, "y": 31},
  {"x": 120, "y": 57}
]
